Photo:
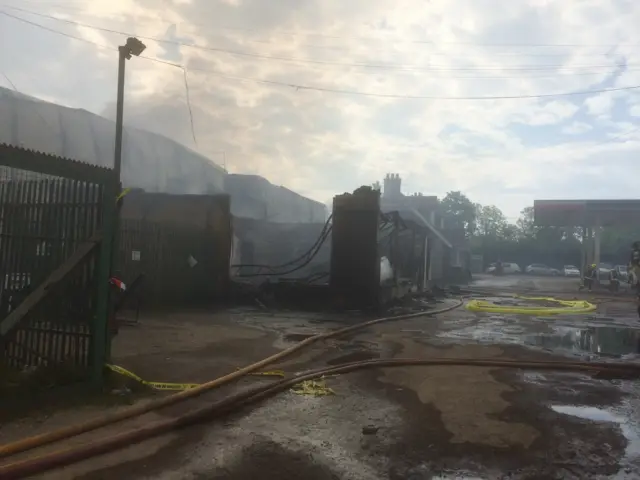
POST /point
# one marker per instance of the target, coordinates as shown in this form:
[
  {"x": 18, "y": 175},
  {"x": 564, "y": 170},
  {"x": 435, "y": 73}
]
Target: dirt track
[{"x": 430, "y": 422}]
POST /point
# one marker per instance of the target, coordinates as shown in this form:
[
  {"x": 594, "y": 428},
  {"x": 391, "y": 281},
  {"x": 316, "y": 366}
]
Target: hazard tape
[
  {"x": 154, "y": 385},
  {"x": 179, "y": 386},
  {"x": 123, "y": 193},
  {"x": 312, "y": 388}
]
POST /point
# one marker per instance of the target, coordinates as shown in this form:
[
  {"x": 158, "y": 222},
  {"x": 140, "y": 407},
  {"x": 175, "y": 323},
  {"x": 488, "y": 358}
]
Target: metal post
[
  {"x": 99, "y": 334},
  {"x": 100, "y": 347},
  {"x": 597, "y": 231},
  {"x": 99, "y": 330},
  {"x": 117, "y": 153}
]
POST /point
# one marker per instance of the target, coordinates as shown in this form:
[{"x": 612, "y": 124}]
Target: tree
[
  {"x": 492, "y": 222},
  {"x": 459, "y": 212},
  {"x": 549, "y": 235},
  {"x": 616, "y": 241},
  {"x": 510, "y": 233},
  {"x": 525, "y": 225}
]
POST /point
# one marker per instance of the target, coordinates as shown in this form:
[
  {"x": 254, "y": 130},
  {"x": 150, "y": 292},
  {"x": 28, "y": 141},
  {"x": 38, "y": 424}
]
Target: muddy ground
[{"x": 395, "y": 423}]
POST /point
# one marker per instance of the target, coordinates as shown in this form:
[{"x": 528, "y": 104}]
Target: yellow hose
[{"x": 566, "y": 307}]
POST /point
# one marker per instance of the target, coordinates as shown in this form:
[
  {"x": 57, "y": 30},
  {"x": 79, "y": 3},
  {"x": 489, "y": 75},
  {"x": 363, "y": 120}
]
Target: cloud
[
  {"x": 577, "y": 128},
  {"x": 319, "y": 143}
]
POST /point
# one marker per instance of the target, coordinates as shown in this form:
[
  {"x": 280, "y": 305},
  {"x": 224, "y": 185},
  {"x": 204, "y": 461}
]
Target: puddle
[
  {"x": 594, "y": 414},
  {"x": 607, "y": 341},
  {"x": 594, "y": 335}
]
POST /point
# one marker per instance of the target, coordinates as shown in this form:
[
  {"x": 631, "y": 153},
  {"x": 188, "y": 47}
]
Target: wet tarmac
[
  {"x": 577, "y": 335},
  {"x": 429, "y": 423}
]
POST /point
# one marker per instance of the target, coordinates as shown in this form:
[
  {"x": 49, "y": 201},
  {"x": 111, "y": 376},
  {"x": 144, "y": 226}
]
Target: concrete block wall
[{"x": 355, "y": 259}]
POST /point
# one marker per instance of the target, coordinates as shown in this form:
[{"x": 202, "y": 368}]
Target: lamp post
[
  {"x": 132, "y": 47},
  {"x": 101, "y": 337}
]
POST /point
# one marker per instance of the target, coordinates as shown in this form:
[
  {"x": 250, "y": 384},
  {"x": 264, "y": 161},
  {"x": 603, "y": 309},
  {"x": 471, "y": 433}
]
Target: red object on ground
[{"x": 119, "y": 284}]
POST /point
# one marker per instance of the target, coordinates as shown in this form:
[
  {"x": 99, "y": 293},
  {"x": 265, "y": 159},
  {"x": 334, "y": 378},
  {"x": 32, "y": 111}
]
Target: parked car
[
  {"x": 507, "y": 267},
  {"x": 571, "y": 271},
  {"x": 540, "y": 269}
]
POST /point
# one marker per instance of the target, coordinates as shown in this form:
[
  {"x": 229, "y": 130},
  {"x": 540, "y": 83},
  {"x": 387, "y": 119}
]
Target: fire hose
[
  {"x": 233, "y": 403},
  {"x": 74, "y": 430}
]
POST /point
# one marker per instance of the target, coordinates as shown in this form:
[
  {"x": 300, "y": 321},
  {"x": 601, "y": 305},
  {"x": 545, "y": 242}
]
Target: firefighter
[
  {"x": 634, "y": 263},
  {"x": 634, "y": 270},
  {"x": 614, "y": 281},
  {"x": 590, "y": 276}
]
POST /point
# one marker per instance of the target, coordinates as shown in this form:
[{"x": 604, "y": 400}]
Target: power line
[
  {"x": 500, "y": 77},
  {"x": 400, "y": 67},
  {"x": 619, "y": 136},
  {"x": 344, "y": 91},
  {"x": 90, "y": 42},
  {"x": 386, "y": 39},
  {"x": 559, "y": 73},
  {"x": 414, "y": 97},
  {"x": 53, "y": 30},
  {"x": 186, "y": 87},
  {"x": 327, "y": 47},
  {"x": 13, "y": 85}
]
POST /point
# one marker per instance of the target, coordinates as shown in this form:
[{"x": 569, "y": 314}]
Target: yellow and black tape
[
  {"x": 154, "y": 385},
  {"x": 122, "y": 194},
  {"x": 313, "y": 388},
  {"x": 178, "y": 386}
]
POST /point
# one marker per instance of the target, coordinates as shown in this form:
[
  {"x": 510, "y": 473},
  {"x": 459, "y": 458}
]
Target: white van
[{"x": 507, "y": 267}]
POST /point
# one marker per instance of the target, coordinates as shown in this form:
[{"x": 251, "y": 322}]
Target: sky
[{"x": 323, "y": 96}]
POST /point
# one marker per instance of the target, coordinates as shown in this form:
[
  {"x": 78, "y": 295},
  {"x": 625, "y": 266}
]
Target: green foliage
[
  {"x": 491, "y": 235},
  {"x": 491, "y": 222},
  {"x": 459, "y": 212}
]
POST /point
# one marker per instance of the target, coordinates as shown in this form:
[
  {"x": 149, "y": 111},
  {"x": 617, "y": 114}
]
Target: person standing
[
  {"x": 634, "y": 271},
  {"x": 590, "y": 276}
]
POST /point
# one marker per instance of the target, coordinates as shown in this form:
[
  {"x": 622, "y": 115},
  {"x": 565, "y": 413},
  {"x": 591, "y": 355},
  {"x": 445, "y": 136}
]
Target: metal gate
[{"x": 51, "y": 213}]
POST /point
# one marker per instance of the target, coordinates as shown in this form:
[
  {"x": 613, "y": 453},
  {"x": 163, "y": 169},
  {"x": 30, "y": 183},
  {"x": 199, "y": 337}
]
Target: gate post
[
  {"x": 355, "y": 263},
  {"x": 100, "y": 324}
]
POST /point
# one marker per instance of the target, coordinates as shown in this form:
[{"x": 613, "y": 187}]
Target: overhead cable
[
  {"x": 400, "y": 67},
  {"x": 369, "y": 38},
  {"x": 344, "y": 91}
]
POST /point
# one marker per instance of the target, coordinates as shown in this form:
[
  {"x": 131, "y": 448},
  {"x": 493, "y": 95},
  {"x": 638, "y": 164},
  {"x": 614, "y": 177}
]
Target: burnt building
[
  {"x": 447, "y": 252},
  {"x": 150, "y": 161}
]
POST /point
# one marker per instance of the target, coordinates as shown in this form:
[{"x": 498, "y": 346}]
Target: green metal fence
[{"x": 51, "y": 213}]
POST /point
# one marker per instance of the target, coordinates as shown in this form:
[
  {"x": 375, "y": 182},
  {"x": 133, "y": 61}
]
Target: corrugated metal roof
[{"x": 150, "y": 161}]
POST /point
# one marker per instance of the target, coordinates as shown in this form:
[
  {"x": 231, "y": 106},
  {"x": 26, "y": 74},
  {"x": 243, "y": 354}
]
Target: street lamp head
[{"x": 133, "y": 47}]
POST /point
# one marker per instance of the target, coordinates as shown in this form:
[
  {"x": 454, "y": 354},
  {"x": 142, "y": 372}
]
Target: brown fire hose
[
  {"x": 33, "y": 466},
  {"x": 74, "y": 430}
]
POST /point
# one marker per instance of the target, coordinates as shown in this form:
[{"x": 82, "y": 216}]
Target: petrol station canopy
[{"x": 585, "y": 213}]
